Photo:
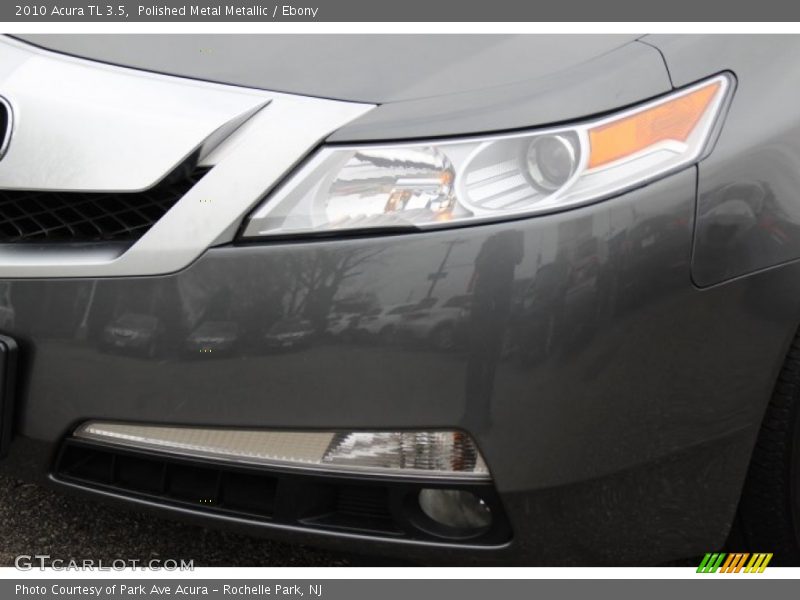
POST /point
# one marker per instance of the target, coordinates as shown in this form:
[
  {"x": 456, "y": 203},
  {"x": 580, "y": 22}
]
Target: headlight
[{"x": 437, "y": 184}]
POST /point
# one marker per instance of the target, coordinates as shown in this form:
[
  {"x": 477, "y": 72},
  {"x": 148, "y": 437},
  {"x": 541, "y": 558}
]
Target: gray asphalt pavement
[{"x": 35, "y": 520}]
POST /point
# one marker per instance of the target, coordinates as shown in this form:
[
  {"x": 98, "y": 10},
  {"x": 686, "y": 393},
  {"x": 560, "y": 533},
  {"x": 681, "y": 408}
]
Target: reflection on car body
[
  {"x": 133, "y": 332},
  {"x": 289, "y": 332},
  {"x": 380, "y": 324},
  {"x": 428, "y": 284},
  {"x": 439, "y": 325},
  {"x": 213, "y": 337}
]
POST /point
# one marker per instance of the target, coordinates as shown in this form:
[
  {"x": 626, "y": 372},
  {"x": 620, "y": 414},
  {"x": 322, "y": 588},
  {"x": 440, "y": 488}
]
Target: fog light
[
  {"x": 455, "y": 509},
  {"x": 442, "y": 454}
]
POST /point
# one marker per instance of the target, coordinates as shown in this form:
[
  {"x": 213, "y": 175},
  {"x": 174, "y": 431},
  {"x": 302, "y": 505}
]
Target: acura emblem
[{"x": 6, "y": 125}]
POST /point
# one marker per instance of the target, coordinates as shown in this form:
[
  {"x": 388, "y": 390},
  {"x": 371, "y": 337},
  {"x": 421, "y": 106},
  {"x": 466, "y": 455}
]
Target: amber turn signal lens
[{"x": 674, "y": 120}]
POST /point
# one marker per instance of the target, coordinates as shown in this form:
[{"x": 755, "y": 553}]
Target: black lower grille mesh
[
  {"x": 31, "y": 216},
  {"x": 380, "y": 507}
]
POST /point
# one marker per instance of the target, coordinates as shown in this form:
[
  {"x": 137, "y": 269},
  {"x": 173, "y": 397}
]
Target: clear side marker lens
[{"x": 440, "y": 454}]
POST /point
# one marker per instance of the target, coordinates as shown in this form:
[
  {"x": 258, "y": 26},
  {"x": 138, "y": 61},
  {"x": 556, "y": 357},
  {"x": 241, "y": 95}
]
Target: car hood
[{"x": 368, "y": 68}]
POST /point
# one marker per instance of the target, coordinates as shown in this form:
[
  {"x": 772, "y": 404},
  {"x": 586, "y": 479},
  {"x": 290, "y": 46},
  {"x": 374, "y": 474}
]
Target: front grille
[
  {"x": 36, "y": 216},
  {"x": 383, "y": 507}
]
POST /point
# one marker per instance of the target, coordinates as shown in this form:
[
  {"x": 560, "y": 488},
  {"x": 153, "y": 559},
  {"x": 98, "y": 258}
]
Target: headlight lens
[
  {"x": 378, "y": 187},
  {"x": 444, "y": 183},
  {"x": 552, "y": 160}
]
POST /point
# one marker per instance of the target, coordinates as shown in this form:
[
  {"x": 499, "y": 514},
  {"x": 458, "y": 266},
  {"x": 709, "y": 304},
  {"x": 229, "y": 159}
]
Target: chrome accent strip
[
  {"x": 248, "y": 163},
  {"x": 296, "y": 450}
]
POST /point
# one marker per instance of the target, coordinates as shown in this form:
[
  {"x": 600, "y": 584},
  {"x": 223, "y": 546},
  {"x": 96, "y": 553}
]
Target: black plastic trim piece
[
  {"x": 47, "y": 217},
  {"x": 8, "y": 370},
  {"x": 360, "y": 504}
]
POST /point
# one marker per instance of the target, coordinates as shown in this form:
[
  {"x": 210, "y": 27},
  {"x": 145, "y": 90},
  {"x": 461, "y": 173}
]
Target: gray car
[{"x": 619, "y": 214}]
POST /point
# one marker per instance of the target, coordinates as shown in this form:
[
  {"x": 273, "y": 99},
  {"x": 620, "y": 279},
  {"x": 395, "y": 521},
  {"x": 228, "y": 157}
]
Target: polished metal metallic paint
[
  {"x": 749, "y": 187},
  {"x": 607, "y": 82},
  {"x": 426, "y": 85},
  {"x": 615, "y": 403},
  {"x": 340, "y": 66}
]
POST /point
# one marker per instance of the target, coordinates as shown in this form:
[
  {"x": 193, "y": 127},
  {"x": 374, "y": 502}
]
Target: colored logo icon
[{"x": 736, "y": 562}]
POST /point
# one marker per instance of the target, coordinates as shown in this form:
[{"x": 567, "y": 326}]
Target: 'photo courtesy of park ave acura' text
[{"x": 449, "y": 299}]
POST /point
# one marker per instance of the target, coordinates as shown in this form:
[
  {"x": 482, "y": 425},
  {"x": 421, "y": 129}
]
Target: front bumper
[{"x": 615, "y": 403}]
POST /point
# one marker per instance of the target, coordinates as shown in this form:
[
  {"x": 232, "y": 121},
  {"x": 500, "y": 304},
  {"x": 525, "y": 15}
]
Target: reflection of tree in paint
[{"x": 318, "y": 277}]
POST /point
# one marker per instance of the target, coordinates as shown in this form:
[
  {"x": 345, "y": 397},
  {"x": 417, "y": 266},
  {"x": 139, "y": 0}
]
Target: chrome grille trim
[{"x": 264, "y": 135}]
